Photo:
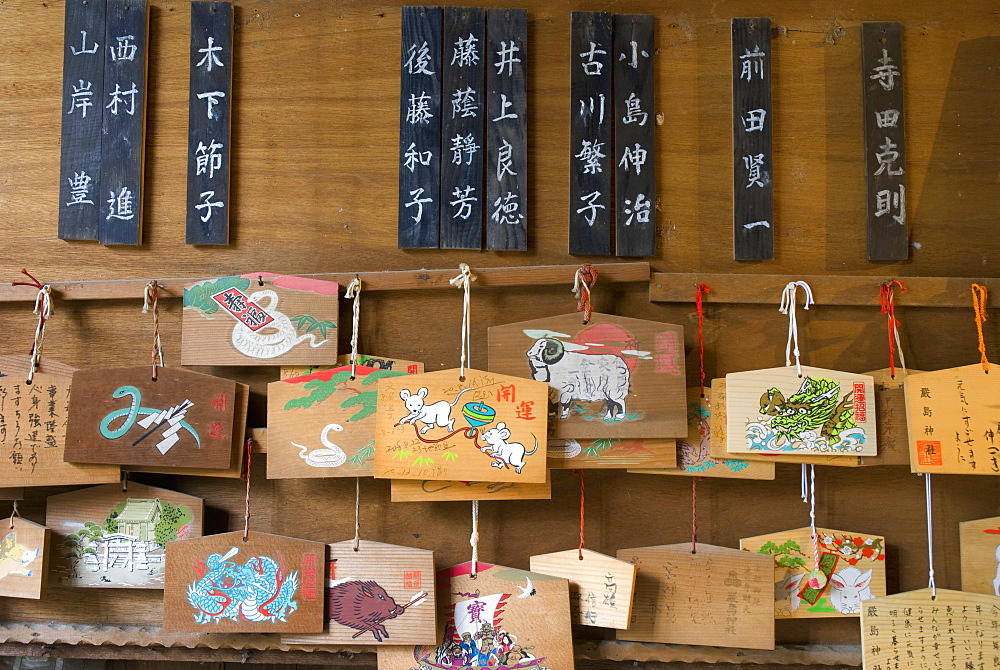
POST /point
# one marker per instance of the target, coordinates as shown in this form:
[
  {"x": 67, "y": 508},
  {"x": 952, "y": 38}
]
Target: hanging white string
[
  {"x": 354, "y": 291},
  {"x": 930, "y": 536},
  {"x": 474, "y": 538},
  {"x": 804, "y": 484},
  {"x": 899, "y": 347},
  {"x": 812, "y": 516},
  {"x": 43, "y": 308},
  {"x": 462, "y": 282},
  {"x": 580, "y": 285},
  {"x": 788, "y": 307},
  {"x": 13, "y": 512},
  {"x": 357, "y": 513}
]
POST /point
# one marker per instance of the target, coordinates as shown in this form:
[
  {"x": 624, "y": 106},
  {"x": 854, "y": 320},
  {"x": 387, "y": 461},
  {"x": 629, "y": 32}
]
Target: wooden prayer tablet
[
  {"x": 693, "y": 452},
  {"x": 504, "y": 618},
  {"x": 489, "y": 427},
  {"x": 260, "y": 319},
  {"x": 377, "y": 362},
  {"x": 609, "y": 453},
  {"x": 612, "y": 378},
  {"x": 910, "y": 630},
  {"x": 415, "y": 490},
  {"x": 105, "y": 537},
  {"x": 323, "y": 424},
  {"x": 980, "y": 544},
  {"x": 265, "y": 584},
  {"x": 717, "y": 596},
  {"x": 33, "y": 427},
  {"x": 122, "y": 416},
  {"x": 890, "y": 415},
  {"x": 951, "y": 418},
  {"x": 854, "y": 564},
  {"x": 600, "y": 586},
  {"x": 718, "y": 442},
  {"x": 235, "y": 469},
  {"x": 381, "y": 594},
  {"x": 24, "y": 559},
  {"x": 823, "y": 412}
]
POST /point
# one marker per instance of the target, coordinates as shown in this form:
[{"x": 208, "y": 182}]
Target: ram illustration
[{"x": 581, "y": 377}]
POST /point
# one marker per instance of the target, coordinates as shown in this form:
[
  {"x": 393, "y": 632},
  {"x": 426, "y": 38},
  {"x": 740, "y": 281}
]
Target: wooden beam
[
  {"x": 855, "y": 290},
  {"x": 535, "y": 275}
]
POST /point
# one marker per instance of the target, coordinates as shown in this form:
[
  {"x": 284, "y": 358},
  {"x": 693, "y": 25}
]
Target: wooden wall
[{"x": 313, "y": 190}]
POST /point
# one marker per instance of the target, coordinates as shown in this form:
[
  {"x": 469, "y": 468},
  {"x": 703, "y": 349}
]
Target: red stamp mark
[
  {"x": 929, "y": 453},
  {"x": 860, "y": 402},
  {"x": 309, "y": 577},
  {"x": 241, "y": 308}
]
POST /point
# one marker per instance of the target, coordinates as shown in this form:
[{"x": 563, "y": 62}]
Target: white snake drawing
[
  {"x": 281, "y": 335},
  {"x": 331, "y": 457}
]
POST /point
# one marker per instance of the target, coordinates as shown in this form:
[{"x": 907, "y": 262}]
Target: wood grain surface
[
  {"x": 314, "y": 191},
  {"x": 980, "y": 549}
]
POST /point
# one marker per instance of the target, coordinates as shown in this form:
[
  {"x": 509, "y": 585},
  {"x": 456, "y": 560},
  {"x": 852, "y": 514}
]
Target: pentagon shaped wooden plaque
[
  {"x": 911, "y": 631},
  {"x": 260, "y": 319},
  {"x": 824, "y": 412},
  {"x": 377, "y": 362},
  {"x": 890, "y": 414},
  {"x": 225, "y": 584},
  {"x": 694, "y": 457},
  {"x": 980, "y": 547},
  {"x": 105, "y": 537},
  {"x": 380, "y": 594},
  {"x": 24, "y": 559},
  {"x": 718, "y": 442},
  {"x": 489, "y": 427},
  {"x": 951, "y": 419},
  {"x": 600, "y": 586},
  {"x": 416, "y": 490},
  {"x": 504, "y": 618},
  {"x": 608, "y": 453},
  {"x": 122, "y": 416},
  {"x": 716, "y": 596},
  {"x": 33, "y": 427},
  {"x": 614, "y": 377},
  {"x": 235, "y": 469},
  {"x": 854, "y": 563},
  {"x": 323, "y": 424}
]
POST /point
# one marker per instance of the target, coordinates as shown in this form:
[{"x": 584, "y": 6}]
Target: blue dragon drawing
[{"x": 258, "y": 591}]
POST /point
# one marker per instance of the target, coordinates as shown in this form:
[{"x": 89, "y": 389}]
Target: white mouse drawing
[
  {"x": 436, "y": 414},
  {"x": 512, "y": 453}
]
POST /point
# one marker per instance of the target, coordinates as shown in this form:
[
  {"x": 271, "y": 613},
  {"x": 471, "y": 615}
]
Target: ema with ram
[{"x": 581, "y": 377}]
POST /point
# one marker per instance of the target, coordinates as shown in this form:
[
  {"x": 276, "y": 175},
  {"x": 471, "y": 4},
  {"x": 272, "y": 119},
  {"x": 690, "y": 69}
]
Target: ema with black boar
[{"x": 365, "y": 606}]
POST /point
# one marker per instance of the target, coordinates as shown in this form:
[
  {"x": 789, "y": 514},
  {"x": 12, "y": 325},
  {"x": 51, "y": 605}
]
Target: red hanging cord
[
  {"x": 699, "y": 307},
  {"x": 887, "y": 298}
]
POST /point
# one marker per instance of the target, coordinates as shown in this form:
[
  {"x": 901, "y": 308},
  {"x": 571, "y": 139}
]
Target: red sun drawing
[{"x": 608, "y": 338}]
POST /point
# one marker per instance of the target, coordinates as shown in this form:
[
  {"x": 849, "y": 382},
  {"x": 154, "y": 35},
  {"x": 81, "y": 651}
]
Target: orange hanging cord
[{"x": 979, "y": 294}]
